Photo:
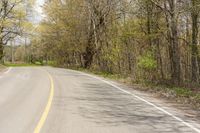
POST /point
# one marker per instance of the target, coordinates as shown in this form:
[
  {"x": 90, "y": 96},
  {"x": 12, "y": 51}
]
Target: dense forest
[
  {"x": 153, "y": 40},
  {"x": 147, "y": 40}
]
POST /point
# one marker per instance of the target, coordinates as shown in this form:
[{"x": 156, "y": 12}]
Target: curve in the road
[
  {"x": 48, "y": 106},
  {"x": 147, "y": 102}
]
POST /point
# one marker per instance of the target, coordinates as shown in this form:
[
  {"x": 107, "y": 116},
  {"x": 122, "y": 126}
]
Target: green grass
[
  {"x": 21, "y": 65},
  {"x": 2, "y": 67},
  {"x": 183, "y": 92},
  {"x": 188, "y": 93},
  {"x": 51, "y": 63},
  {"x": 197, "y": 97}
]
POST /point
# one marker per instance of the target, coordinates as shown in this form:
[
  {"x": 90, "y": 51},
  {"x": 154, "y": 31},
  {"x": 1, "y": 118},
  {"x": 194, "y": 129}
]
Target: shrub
[{"x": 147, "y": 62}]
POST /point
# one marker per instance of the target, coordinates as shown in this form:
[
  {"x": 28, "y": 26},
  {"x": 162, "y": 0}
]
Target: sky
[
  {"x": 39, "y": 3},
  {"x": 35, "y": 18},
  {"x": 38, "y": 10}
]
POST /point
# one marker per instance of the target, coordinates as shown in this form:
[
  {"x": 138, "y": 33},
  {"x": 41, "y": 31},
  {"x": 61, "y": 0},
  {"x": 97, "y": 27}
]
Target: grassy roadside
[
  {"x": 21, "y": 65},
  {"x": 180, "y": 95},
  {"x": 2, "y": 67}
]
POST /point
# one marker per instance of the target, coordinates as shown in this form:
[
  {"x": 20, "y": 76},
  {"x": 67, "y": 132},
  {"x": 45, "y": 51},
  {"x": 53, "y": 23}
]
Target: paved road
[{"x": 81, "y": 104}]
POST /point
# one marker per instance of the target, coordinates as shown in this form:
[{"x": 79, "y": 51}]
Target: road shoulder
[
  {"x": 182, "y": 107},
  {"x": 2, "y": 68}
]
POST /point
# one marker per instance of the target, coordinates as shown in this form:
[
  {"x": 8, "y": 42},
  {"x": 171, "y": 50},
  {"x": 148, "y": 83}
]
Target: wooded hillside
[{"x": 148, "y": 40}]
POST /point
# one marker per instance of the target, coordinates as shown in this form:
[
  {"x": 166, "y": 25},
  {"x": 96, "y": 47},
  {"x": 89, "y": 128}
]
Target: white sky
[
  {"x": 35, "y": 18},
  {"x": 38, "y": 9},
  {"x": 39, "y": 3}
]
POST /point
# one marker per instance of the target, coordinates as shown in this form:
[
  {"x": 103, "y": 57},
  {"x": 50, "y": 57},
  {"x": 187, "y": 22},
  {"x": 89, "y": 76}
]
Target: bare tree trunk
[
  {"x": 194, "y": 46},
  {"x": 149, "y": 23},
  {"x": 175, "y": 55},
  {"x": 89, "y": 53},
  {"x": 1, "y": 51},
  {"x": 174, "y": 44}
]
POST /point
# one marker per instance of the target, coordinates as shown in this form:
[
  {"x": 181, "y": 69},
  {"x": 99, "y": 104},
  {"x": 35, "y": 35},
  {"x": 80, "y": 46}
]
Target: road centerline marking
[{"x": 48, "y": 106}]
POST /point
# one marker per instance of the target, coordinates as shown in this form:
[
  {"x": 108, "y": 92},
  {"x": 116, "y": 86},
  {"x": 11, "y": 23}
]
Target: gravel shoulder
[
  {"x": 2, "y": 68},
  {"x": 177, "y": 98}
]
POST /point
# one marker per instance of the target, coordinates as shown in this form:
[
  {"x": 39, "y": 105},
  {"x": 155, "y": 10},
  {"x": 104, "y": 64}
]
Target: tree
[
  {"x": 195, "y": 53},
  {"x": 116, "y": 36},
  {"x": 10, "y": 16}
]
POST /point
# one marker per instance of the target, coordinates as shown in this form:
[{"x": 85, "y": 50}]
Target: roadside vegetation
[
  {"x": 2, "y": 67},
  {"x": 147, "y": 40},
  {"x": 20, "y": 65},
  {"x": 153, "y": 44},
  {"x": 181, "y": 95}
]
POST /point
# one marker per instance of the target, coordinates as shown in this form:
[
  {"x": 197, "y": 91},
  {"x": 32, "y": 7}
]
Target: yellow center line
[{"x": 47, "y": 108}]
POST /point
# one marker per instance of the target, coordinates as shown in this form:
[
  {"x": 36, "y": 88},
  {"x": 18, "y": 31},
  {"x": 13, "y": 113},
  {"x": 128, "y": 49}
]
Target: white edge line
[
  {"x": 142, "y": 99},
  {"x": 9, "y": 69}
]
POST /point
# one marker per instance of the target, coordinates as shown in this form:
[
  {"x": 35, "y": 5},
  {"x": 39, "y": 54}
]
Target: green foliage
[
  {"x": 183, "y": 92},
  {"x": 197, "y": 97},
  {"x": 50, "y": 63},
  {"x": 147, "y": 62},
  {"x": 20, "y": 65}
]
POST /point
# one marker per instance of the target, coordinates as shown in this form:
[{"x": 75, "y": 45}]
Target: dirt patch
[{"x": 2, "y": 68}]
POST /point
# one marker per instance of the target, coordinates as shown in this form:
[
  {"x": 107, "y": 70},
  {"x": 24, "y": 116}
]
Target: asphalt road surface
[{"x": 53, "y": 100}]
